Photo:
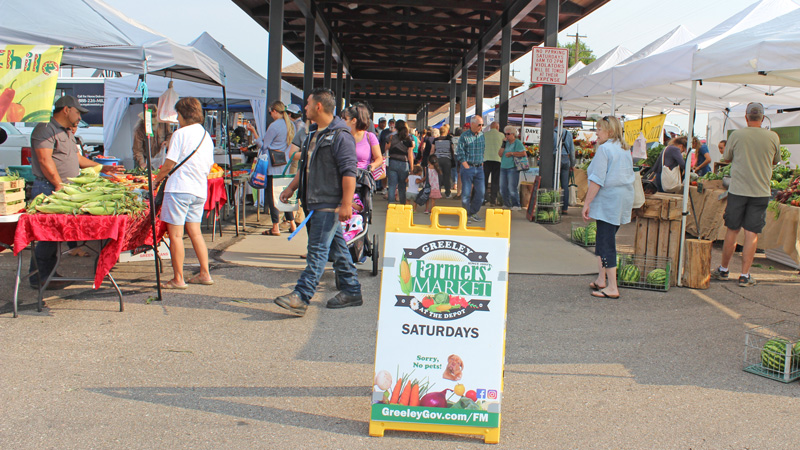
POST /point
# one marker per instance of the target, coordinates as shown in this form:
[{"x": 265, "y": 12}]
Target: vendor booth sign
[
  {"x": 650, "y": 127},
  {"x": 441, "y": 328},
  {"x": 28, "y": 76}
]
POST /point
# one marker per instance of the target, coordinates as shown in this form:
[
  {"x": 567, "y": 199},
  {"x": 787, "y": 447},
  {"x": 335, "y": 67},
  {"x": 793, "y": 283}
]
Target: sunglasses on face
[{"x": 510, "y": 134}]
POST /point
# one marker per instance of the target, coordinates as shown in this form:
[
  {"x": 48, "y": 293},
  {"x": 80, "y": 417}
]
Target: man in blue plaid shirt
[{"x": 471, "y": 146}]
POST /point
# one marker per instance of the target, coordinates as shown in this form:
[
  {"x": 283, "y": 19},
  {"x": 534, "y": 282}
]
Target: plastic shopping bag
[
  {"x": 279, "y": 183},
  {"x": 258, "y": 175},
  {"x": 166, "y": 106},
  {"x": 639, "y": 150}
]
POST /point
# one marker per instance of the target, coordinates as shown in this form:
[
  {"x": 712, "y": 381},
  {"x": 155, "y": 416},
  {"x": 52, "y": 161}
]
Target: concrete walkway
[{"x": 532, "y": 246}]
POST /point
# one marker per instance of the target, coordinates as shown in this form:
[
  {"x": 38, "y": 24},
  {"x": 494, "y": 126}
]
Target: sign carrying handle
[{"x": 449, "y": 211}]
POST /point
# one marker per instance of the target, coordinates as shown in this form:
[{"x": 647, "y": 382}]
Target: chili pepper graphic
[
  {"x": 5, "y": 99},
  {"x": 16, "y": 111}
]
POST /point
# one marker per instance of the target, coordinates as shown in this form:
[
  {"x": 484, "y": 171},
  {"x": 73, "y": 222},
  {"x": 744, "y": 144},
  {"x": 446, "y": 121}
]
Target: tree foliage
[{"x": 586, "y": 53}]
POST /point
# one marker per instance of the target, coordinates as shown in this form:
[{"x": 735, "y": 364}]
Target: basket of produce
[
  {"x": 790, "y": 194},
  {"x": 89, "y": 194},
  {"x": 773, "y": 351},
  {"x": 643, "y": 272},
  {"x": 584, "y": 235},
  {"x": 216, "y": 172},
  {"x": 548, "y": 206},
  {"x": 12, "y": 194}
]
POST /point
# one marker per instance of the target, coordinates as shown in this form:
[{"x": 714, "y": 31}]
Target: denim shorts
[{"x": 179, "y": 208}]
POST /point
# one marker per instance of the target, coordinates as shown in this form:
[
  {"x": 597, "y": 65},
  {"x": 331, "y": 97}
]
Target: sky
[{"x": 630, "y": 23}]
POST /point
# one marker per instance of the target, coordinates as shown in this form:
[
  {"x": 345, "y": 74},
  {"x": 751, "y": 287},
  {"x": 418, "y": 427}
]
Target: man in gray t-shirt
[
  {"x": 752, "y": 151},
  {"x": 56, "y": 157}
]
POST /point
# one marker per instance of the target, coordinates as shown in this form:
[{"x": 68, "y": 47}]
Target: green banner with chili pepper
[{"x": 28, "y": 76}]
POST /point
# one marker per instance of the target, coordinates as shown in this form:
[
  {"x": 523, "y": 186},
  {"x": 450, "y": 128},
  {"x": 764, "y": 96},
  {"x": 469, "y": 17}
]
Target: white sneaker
[{"x": 516, "y": 208}]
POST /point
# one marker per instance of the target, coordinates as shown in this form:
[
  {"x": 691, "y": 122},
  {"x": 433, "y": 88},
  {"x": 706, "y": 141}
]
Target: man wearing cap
[
  {"x": 753, "y": 152},
  {"x": 56, "y": 157}
]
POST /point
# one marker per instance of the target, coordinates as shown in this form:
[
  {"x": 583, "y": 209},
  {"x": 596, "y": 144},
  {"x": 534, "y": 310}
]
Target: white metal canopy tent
[
  {"x": 242, "y": 83},
  {"x": 94, "y": 35}
]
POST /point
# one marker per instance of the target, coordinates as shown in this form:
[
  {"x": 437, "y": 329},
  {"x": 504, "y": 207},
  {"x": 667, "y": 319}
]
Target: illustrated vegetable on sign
[
  {"x": 406, "y": 280},
  {"x": 16, "y": 112},
  {"x": 6, "y": 98}
]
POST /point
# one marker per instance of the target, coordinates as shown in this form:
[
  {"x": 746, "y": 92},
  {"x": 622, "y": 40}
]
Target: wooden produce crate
[
  {"x": 12, "y": 196},
  {"x": 658, "y": 229},
  {"x": 12, "y": 208},
  {"x": 12, "y": 185}
]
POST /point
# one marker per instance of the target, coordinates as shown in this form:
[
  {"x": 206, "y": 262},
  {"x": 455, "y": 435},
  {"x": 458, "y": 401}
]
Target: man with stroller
[{"x": 326, "y": 180}]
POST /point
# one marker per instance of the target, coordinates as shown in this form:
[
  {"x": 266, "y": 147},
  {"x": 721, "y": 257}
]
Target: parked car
[
  {"x": 91, "y": 136},
  {"x": 16, "y": 150}
]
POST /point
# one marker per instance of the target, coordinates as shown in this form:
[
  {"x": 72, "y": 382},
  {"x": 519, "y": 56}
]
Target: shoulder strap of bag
[
  {"x": 288, "y": 163},
  {"x": 190, "y": 154}
]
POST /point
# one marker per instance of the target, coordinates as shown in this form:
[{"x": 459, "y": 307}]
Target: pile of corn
[{"x": 89, "y": 194}]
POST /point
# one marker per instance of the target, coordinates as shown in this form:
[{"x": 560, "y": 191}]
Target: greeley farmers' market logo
[{"x": 450, "y": 286}]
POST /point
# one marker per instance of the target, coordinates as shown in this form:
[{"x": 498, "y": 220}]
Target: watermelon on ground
[
  {"x": 773, "y": 355},
  {"x": 657, "y": 277},
  {"x": 591, "y": 236},
  {"x": 541, "y": 216},
  {"x": 630, "y": 274},
  {"x": 544, "y": 197},
  {"x": 578, "y": 234}
]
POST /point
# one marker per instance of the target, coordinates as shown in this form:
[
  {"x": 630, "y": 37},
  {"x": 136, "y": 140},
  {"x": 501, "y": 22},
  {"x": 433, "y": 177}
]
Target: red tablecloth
[
  {"x": 7, "y": 231},
  {"x": 217, "y": 194},
  {"x": 124, "y": 233}
]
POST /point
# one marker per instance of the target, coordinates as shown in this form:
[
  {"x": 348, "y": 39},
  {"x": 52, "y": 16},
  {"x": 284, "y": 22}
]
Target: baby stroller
[{"x": 360, "y": 245}]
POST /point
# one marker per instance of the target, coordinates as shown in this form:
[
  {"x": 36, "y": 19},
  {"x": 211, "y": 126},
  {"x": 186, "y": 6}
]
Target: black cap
[{"x": 72, "y": 102}]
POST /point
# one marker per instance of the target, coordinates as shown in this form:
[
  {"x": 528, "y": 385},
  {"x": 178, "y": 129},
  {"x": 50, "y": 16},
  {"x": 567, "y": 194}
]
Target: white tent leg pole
[
  {"x": 522, "y": 127},
  {"x": 686, "y": 180},
  {"x": 613, "y": 103}
]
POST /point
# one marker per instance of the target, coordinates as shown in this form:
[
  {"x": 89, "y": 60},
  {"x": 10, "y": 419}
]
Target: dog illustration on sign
[{"x": 454, "y": 369}]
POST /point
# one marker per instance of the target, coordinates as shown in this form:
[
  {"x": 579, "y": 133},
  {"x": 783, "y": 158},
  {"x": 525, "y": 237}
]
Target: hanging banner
[
  {"x": 441, "y": 328},
  {"x": 651, "y": 127},
  {"x": 28, "y": 77}
]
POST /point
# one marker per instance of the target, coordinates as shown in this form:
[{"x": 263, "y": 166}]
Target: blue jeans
[
  {"x": 325, "y": 238},
  {"x": 45, "y": 252},
  {"x": 509, "y": 187},
  {"x": 397, "y": 174},
  {"x": 565, "y": 184},
  {"x": 474, "y": 189}
]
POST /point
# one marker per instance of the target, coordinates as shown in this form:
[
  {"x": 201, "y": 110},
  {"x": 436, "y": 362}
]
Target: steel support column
[
  {"x": 348, "y": 86},
  {"x": 479, "y": 81},
  {"x": 464, "y": 86},
  {"x": 452, "y": 115},
  {"x": 308, "y": 57},
  {"x": 339, "y": 83},
  {"x": 547, "y": 160},
  {"x": 275, "y": 63},
  {"x": 505, "y": 74},
  {"x": 326, "y": 82}
]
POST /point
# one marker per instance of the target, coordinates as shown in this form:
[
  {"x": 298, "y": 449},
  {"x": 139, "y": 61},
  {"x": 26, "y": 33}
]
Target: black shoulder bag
[
  {"x": 159, "y": 196},
  {"x": 425, "y": 191}
]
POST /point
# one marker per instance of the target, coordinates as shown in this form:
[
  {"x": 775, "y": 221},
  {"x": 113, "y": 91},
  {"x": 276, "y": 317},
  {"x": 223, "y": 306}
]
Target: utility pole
[{"x": 577, "y": 37}]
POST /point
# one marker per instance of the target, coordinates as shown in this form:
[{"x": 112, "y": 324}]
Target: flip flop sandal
[
  {"x": 602, "y": 294},
  {"x": 595, "y": 287},
  {"x": 203, "y": 282},
  {"x": 269, "y": 232},
  {"x": 171, "y": 285}
]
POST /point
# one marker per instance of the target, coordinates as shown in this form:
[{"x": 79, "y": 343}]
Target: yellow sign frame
[{"x": 400, "y": 219}]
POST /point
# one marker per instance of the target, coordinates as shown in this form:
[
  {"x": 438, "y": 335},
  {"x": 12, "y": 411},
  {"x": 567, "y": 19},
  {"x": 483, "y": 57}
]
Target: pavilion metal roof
[{"x": 416, "y": 45}]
